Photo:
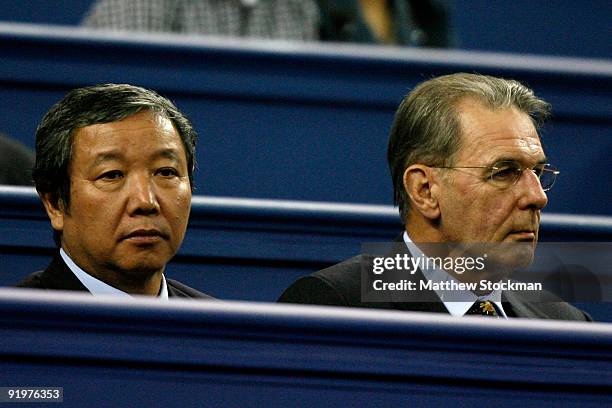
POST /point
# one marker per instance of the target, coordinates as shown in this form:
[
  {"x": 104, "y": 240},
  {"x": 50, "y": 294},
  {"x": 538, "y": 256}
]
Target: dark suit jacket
[
  {"x": 340, "y": 285},
  {"x": 59, "y": 277}
]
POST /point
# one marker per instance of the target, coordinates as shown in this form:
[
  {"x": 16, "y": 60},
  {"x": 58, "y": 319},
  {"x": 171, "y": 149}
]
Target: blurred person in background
[
  {"x": 420, "y": 23},
  {"x": 268, "y": 19},
  {"x": 16, "y": 162}
]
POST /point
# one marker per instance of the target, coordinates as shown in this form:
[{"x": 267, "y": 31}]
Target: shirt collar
[
  {"x": 457, "y": 302},
  {"x": 97, "y": 287}
]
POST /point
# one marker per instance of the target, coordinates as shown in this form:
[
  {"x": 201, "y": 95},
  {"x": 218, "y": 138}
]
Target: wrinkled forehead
[{"x": 488, "y": 134}]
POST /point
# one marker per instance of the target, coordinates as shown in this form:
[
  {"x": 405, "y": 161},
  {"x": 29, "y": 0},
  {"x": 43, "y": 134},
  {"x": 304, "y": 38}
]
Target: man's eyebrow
[
  {"x": 171, "y": 154},
  {"x": 115, "y": 155},
  {"x": 515, "y": 160},
  {"x": 107, "y": 156}
]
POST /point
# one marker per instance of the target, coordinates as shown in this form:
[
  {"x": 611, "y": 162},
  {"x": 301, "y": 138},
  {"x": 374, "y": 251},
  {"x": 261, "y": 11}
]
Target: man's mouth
[{"x": 144, "y": 236}]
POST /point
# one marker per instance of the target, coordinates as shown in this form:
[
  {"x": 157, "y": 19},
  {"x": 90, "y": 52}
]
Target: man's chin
[
  {"x": 511, "y": 256},
  {"x": 142, "y": 260},
  {"x": 141, "y": 268}
]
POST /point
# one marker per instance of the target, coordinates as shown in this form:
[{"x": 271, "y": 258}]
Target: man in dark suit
[
  {"x": 114, "y": 170},
  {"x": 469, "y": 176}
]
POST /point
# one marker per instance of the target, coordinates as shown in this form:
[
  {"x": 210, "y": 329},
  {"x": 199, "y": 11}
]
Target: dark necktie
[{"x": 483, "y": 308}]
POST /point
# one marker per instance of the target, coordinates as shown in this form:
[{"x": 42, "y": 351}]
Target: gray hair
[
  {"x": 94, "y": 105},
  {"x": 426, "y": 127}
]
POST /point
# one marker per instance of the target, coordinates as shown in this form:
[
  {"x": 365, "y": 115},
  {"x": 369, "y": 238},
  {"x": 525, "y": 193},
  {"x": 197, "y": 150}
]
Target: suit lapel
[
  {"x": 421, "y": 300},
  {"x": 59, "y": 276},
  {"x": 514, "y": 306},
  {"x": 174, "y": 291}
]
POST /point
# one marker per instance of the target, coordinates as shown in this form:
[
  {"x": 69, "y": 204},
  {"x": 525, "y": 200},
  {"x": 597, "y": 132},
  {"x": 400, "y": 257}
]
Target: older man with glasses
[{"x": 469, "y": 176}]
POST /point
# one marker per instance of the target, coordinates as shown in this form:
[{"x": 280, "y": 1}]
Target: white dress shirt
[
  {"x": 99, "y": 288},
  {"x": 457, "y": 302}
]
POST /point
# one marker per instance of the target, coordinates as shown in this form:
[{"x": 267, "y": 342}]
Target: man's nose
[
  {"x": 142, "y": 196},
  {"x": 532, "y": 193}
]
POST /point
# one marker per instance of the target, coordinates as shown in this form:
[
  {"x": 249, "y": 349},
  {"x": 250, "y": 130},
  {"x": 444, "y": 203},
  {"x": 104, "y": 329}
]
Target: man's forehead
[
  {"x": 488, "y": 133},
  {"x": 138, "y": 121},
  {"x": 118, "y": 154},
  {"x": 144, "y": 133},
  {"x": 134, "y": 127}
]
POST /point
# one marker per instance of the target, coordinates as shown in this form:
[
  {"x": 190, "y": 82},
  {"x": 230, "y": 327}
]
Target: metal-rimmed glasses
[{"x": 506, "y": 173}]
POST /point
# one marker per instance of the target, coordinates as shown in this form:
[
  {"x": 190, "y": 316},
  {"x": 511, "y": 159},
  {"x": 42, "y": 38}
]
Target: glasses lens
[
  {"x": 505, "y": 173},
  {"x": 548, "y": 177}
]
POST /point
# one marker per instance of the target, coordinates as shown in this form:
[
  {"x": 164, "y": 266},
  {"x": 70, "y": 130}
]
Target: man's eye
[
  {"x": 538, "y": 170},
  {"x": 111, "y": 175},
  {"x": 167, "y": 172},
  {"x": 505, "y": 173}
]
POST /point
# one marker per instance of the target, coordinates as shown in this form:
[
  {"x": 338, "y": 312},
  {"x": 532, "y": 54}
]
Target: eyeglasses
[{"x": 507, "y": 172}]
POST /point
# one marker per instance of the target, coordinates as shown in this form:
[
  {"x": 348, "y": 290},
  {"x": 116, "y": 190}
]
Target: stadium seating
[
  {"x": 303, "y": 121},
  {"x": 291, "y": 178},
  {"x": 249, "y": 249}
]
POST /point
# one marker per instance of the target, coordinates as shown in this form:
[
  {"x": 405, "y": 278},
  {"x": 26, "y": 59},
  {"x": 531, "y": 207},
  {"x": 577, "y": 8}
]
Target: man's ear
[
  {"x": 420, "y": 186},
  {"x": 55, "y": 210}
]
